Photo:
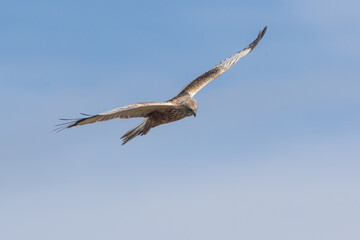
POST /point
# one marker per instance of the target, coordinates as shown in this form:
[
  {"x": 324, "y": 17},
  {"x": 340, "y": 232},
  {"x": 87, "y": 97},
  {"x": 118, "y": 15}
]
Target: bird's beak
[{"x": 194, "y": 114}]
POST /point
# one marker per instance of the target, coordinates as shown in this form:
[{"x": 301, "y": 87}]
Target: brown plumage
[{"x": 157, "y": 113}]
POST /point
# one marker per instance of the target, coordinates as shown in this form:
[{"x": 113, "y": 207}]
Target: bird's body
[
  {"x": 184, "y": 106},
  {"x": 157, "y": 113}
]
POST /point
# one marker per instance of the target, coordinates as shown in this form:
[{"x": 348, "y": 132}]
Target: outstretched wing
[
  {"x": 130, "y": 111},
  {"x": 193, "y": 87}
]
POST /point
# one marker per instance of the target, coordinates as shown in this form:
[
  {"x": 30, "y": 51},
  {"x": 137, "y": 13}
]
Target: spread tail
[{"x": 141, "y": 129}]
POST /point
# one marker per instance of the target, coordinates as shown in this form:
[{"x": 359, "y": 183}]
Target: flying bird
[{"x": 157, "y": 113}]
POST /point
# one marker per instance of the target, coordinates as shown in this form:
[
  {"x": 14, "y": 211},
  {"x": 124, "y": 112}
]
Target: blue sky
[{"x": 272, "y": 154}]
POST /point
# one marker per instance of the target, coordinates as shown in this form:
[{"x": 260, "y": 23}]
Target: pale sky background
[{"x": 272, "y": 154}]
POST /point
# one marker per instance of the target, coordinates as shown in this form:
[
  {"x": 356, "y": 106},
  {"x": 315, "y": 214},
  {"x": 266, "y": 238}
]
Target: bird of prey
[{"x": 157, "y": 113}]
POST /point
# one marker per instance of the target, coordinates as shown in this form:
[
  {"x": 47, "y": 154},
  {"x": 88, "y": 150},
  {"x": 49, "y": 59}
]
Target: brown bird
[{"x": 157, "y": 113}]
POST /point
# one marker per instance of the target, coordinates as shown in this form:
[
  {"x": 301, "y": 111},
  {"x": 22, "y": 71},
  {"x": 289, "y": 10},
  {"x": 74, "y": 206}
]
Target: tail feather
[{"x": 140, "y": 129}]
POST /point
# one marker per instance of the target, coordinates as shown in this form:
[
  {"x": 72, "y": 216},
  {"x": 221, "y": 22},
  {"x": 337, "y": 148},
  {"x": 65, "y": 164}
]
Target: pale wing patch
[
  {"x": 229, "y": 62},
  {"x": 141, "y": 107}
]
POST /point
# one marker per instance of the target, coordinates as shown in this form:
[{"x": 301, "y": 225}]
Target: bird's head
[{"x": 191, "y": 107}]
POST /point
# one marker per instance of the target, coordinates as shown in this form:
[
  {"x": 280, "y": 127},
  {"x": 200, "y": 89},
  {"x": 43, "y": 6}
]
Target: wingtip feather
[{"x": 262, "y": 33}]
